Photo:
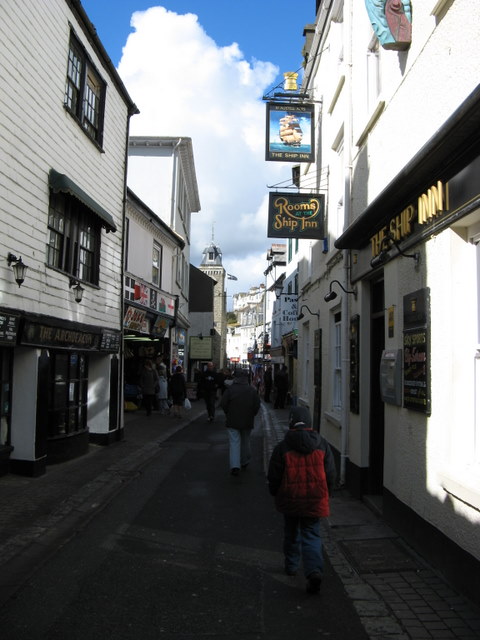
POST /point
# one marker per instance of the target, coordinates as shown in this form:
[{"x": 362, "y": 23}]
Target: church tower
[{"x": 212, "y": 265}]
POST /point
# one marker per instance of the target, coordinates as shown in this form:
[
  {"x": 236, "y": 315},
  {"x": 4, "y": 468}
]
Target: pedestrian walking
[
  {"x": 178, "y": 391},
  {"x": 301, "y": 476},
  {"x": 149, "y": 385},
  {"x": 281, "y": 387},
  {"x": 267, "y": 383},
  {"x": 162, "y": 395},
  {"x": 208, "y": 386},
  {"x": 241, "y": 403}
]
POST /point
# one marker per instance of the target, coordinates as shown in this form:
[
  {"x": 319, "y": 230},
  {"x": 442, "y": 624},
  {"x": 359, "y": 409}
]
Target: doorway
[{"x": 377, "y": 419}]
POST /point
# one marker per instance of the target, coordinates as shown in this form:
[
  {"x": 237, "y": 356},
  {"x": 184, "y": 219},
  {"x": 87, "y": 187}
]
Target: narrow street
[{"x": 183, "y": 551}]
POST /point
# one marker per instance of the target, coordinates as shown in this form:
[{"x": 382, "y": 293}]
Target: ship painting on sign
[{"x": 290, "y": 131}]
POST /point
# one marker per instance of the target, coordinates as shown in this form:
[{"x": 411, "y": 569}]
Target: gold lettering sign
[
  {"x": 430, "y": 206},
  {"x": 295, "y": 215}
]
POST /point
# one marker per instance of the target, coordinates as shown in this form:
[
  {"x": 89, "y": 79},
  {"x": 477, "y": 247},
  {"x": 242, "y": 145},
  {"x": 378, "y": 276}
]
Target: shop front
[
  {"x": 415, "y": 256},
  {"x": 8, "y": 337},
  {"x": 60, "y": 389},
  {"x": 147, "y": 336}
]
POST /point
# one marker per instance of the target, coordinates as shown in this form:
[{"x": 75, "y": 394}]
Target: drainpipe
[
  {"x": 174, "y": 185},
  {"x": 346, "y": 255}
]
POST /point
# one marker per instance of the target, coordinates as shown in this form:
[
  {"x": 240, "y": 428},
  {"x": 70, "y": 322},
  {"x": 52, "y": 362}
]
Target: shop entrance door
[{"x": 377, "y": 420}]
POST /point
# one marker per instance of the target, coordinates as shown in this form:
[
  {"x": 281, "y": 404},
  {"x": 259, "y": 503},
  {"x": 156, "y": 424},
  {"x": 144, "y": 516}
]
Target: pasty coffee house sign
[{"x": 296, "y": 215}]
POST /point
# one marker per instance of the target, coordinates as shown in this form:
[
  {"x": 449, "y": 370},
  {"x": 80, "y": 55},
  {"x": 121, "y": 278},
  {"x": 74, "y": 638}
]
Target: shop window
[
  {"x": 5, "y": 395},
  {"x": 68, "y": 394},
  {"x": 74, "y": 238},
  {"x": 84, "y": 91}
]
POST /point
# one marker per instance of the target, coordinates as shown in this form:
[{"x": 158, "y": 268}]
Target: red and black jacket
[{"x": 302, "y": 474}]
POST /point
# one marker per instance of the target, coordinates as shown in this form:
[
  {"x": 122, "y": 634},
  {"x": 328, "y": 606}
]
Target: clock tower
[{"x": 212, "y": 266}]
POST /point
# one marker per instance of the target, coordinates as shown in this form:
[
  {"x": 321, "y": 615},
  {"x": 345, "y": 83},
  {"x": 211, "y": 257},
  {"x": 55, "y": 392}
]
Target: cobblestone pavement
[{"x": 396, "y": 594}]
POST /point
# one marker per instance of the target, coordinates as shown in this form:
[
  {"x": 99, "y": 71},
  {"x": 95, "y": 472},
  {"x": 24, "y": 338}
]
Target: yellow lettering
[{"x": 431, "y": 204}]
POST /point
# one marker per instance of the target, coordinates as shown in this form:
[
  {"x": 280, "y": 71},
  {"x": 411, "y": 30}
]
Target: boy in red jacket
[{"x": 301, "y": 475}]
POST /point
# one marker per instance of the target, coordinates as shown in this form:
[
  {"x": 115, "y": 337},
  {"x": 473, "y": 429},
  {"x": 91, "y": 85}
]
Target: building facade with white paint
[
  {"x": 398, "y": 347},
  {"x": 64, "y": 130}
]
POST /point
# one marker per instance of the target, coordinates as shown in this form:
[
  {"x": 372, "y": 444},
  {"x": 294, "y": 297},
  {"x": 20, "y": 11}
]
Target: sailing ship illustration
[{"x": 290, "y": 131}]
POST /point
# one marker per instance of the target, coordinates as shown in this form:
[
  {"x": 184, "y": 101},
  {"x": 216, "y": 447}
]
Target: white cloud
[{"x": 186, "y": 85}]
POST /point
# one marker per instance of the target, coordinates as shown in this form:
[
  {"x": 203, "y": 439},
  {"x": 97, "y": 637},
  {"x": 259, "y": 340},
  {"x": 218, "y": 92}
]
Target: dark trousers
[
  {"x": 148, "y": 402},
  {"x": 210, "y": 400},
  {"x": 280, "y": 399}
]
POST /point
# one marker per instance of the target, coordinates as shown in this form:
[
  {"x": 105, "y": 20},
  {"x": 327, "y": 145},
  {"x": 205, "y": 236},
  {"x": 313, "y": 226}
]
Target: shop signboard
[
  {"x": 200, "y": 348},
  {"x": 296, "y": 215},
  {"x": 110, "y": 341},
  {"x": 44, "y": 335},
  {"x": 8, "y": 328},
  {"x": 416, "y": 359},
  {"x": 134, "y": 319},
  {"x": 290, "y": 132}
]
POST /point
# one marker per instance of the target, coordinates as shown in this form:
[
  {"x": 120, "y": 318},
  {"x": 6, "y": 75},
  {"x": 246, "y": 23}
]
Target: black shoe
[
  {"x": 235, "y": 471},
  {"x": 314, "y": 581}
]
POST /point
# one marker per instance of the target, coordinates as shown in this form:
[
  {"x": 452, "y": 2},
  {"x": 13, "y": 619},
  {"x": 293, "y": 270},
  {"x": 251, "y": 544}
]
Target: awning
[
  {"x": 59, "y": 182},
  {"x": 455, "y": 144}
]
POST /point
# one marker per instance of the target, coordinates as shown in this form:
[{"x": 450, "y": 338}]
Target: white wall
[{"x": 39, "y": 134}]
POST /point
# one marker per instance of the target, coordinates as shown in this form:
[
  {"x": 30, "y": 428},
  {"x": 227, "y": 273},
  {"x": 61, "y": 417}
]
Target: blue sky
[
  {"x": 199, "y": 69},
  {"x": 269, "y": 30}
]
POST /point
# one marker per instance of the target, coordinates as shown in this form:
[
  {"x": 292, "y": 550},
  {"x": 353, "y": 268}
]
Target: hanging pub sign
[
  {"x": 296, "y": 215},
  {"x": 290, "y": 132}
]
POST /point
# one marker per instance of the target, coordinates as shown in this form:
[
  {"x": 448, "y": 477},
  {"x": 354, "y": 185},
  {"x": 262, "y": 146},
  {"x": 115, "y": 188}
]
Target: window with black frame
[
  {"x": 74, "y": 238},
  {"x": 84, "y": 91},
  {"x": 68, "y": 394}
]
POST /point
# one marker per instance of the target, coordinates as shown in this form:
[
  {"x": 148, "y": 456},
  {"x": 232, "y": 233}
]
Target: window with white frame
[
  {"x": 373, "y": 74},
  {"x": 129, "y": 292},
  {"x": 182, "y": 273},
  {"x": 337, "y": 362},
  {"x": 157, "y": 265},
  {"x": 336, "y": 220}
]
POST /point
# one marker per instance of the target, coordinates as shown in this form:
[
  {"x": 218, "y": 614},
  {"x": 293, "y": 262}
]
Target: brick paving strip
[{"x": 411, "y": 602}]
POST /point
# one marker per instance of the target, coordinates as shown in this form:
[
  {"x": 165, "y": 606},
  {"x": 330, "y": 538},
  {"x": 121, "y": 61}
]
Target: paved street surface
[{"x": 151, "y": 537}]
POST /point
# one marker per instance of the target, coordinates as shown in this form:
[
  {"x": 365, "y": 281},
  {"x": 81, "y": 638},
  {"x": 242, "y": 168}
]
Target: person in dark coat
[
  {"x": 301, "y": 476},
  {"x": 267, "y": 383},
  {"x": 178, "y": 391},
  {"x": 208, "y": 385},
  {"x": 241, "y": 403},
  {"x": 149, "y": 385},
  {"x": 281, "y": 387}
]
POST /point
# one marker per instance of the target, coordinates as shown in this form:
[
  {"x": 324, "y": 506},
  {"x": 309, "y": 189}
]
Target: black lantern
[
  {"x": 77, "y": 289},
  {"x": 19, "y": 268}
]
